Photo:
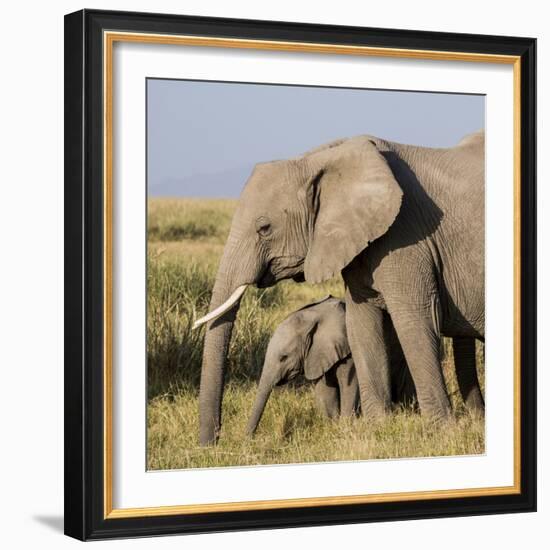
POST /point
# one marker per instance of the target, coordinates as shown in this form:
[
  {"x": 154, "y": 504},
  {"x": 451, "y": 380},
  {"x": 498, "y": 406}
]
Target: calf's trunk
[{"x": 270, "y": 377}]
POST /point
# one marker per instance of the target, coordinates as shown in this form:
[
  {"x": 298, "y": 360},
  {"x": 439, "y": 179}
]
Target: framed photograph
[{"x": 300, "y": 274}]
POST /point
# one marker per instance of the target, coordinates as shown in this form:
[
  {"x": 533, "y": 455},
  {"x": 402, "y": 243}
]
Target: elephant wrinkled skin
[{"x": 405, "y": 227}]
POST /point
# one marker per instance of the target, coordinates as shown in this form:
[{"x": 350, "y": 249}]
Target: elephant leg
[
  {"x": 349, "y": 388},
  {"x": 365, "y": 330},
  {"x": 402, "y": 385},
  {"x": 327, "y": 396},
  {"x": 420, "y": 340},
  {"x": 464, "y": 350}
]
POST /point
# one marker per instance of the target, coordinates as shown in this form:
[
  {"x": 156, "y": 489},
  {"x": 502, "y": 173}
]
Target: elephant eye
[
  {"x": 283, "y": 358},
  {"x": 263, "y": 227}
]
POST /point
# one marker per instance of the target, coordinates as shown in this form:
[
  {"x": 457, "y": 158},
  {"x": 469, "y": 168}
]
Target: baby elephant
[{"x": 312, "y": 341}]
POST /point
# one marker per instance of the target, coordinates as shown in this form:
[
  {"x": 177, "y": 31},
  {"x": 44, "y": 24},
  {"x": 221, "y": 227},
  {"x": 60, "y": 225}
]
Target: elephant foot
[
  {"x": 475, "y": 406},
  {"x": 375, "y": 410},
  {"x": 437, "y": 416}
]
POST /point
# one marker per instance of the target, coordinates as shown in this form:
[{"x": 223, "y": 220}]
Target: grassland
[{"x": 186, "y": 239}]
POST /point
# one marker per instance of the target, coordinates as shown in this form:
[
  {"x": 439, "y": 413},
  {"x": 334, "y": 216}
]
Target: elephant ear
[
  {"x": 355, "y": 199},
  {"x": 328, "y": 343}
]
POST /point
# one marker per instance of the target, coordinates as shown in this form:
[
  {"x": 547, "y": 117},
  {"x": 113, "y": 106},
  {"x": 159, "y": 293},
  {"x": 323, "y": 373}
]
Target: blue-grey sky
[{"x": 205, "y": 137}]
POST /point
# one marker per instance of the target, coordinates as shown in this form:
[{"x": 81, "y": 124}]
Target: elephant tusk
[{"x": 220, "y": 310}]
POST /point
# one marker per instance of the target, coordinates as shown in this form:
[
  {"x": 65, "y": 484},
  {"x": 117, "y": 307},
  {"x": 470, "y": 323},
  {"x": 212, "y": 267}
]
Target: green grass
[{"x": 183, "y": 253}]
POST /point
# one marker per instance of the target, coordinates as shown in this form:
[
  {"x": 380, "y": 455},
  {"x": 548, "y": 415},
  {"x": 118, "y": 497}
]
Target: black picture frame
[{"x": 84, "y": 276}]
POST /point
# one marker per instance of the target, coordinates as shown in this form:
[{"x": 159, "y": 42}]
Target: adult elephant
[{"x": 405, "y": 227}]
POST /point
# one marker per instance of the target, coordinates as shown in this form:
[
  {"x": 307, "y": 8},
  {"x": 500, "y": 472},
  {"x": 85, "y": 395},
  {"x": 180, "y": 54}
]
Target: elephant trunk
[
  {"x": 258, "y": 410},
  {"x": 216, "y": 346},
  {"x": 234, "y": 274},
  {"x": 264, "y": 391}
]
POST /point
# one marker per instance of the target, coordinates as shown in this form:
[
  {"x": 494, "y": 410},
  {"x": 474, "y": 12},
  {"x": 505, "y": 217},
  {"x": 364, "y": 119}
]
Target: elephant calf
[{"x": 312, "y": 342}]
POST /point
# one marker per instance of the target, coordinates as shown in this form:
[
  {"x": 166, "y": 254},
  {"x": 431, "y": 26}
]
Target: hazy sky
[{"x": 205, "y": 137}]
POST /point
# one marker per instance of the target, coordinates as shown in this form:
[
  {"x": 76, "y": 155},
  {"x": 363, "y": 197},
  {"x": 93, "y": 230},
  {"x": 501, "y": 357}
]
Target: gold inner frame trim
[{"x": 109, "y": 39}]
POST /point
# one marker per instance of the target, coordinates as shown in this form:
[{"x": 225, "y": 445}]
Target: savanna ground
[{"x": 186, "y": 238}]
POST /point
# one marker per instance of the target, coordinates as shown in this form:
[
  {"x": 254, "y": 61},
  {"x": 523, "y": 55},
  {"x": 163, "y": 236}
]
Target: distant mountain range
[{"x": 226, "y": 184}]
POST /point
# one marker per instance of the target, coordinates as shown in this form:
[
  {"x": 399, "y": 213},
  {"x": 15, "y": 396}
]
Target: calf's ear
[{"x": 327, "y": 345}]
